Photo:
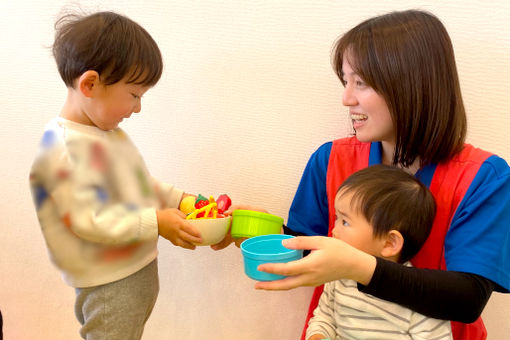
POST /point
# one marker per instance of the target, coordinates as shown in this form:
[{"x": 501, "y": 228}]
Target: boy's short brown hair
[{"x": 111, "y": 44}]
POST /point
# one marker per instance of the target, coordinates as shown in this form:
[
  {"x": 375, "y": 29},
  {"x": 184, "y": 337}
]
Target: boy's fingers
[
  {"x": 186, "y": 245},
  {"x": 190, "y": 230},
  {"x": 190, "y": 238}
]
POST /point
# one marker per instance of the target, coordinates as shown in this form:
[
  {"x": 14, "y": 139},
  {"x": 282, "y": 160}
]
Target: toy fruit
[
  {"x": 204, "y": 215},
  {"x": 223, "y": 202},
  {"x": 200, "y": 203},
  {"x": 187, "y": 204},
  {"x": 201, "y": 207}
]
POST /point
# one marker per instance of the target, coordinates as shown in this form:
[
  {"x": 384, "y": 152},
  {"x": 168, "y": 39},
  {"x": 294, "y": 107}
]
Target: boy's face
[
  {"x": 113, "y": 103},
  {"x": 353, "y": 228}
]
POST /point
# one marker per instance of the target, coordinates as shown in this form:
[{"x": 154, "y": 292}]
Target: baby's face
[{"x": 353, "y": 228}]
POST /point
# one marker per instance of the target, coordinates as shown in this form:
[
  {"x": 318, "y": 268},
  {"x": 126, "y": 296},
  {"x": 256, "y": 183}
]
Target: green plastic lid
[
  {"x": 258, "y": 214},
  {"x": 249, "y": 223}
]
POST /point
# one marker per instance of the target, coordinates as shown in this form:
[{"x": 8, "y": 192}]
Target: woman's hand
[
  {"x": 227, "y": 241},
  {"x": 330, "y": 259}
]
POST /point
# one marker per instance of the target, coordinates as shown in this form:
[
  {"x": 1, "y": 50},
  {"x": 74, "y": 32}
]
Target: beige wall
[{"x": 247, "y": 94}]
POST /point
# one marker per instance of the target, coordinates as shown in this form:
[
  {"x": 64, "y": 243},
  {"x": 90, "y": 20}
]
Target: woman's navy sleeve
[
  {"x": 308, "y": 213},
  {"x": 478, "y": 240}
]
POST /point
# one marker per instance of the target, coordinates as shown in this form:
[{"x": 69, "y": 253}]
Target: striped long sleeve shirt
[{"x": 346, "y": 313}]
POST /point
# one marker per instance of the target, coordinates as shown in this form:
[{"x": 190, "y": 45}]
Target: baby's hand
[{"x": 173, "y": 226}]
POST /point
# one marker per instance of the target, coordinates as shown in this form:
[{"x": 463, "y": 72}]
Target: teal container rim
[
  {"x": 259, "y": 214},
  {"x": 282, "y": 255}
]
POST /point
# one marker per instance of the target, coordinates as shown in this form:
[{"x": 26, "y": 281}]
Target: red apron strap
[
  {"x": 347, "y": 156},
  {"x": 449, "y": 185}
]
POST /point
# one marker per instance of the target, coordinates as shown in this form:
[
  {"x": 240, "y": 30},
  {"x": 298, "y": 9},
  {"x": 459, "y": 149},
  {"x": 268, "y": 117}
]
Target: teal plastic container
[
  {"x": 248, "y": 223},
  {"x": 266, "y": 249}
]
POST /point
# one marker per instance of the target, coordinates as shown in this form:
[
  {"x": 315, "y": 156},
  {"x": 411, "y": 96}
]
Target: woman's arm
[
  {"x": 308, "y": 213},
  {"x": 439, "y": 294},
  {"x": 434, "y": 293}
]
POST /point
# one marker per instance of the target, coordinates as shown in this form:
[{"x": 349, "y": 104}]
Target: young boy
[
  {"x": 99, "y": 208},
  {"x": 385, "y": 212}
]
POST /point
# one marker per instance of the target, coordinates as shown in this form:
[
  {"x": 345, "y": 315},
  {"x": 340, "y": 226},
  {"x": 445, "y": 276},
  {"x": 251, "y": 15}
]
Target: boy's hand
[{"x": 173, "y": 226}]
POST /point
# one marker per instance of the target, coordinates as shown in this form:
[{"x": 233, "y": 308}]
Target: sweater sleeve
[
  {"x": 438, "y": 294},
  {"x": 169, "y": 196}
]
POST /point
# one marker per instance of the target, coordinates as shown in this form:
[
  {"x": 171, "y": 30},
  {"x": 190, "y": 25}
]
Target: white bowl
[{"x": 213, "y": 230}]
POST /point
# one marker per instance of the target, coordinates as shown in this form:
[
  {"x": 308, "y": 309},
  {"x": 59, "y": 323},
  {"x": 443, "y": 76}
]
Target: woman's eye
[
  {"x": 135, "y": 96},
  {"x": 360, "y": 83}
]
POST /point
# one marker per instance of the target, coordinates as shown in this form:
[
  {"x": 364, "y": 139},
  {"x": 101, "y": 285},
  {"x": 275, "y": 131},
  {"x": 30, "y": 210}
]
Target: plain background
[{"x": 247, "y": 94}]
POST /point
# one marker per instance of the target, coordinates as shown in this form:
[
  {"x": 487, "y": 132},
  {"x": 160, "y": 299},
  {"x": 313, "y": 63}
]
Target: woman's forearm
[{"x": 438, "y": 294}]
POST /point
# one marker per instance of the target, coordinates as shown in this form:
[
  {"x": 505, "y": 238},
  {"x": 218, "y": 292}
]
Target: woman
[{"x": 404, "y": 99}]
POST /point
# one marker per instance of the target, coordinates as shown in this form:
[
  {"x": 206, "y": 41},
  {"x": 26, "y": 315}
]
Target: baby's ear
[
  {"x": 393, "y": 244},
  {"x": 88, "y": 82}
]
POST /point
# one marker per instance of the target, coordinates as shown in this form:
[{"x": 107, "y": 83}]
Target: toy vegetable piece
[
  {"x": 204, "y": 211},
  {"x": 187, "y": 205},
  {"x": 224, "y": 203}
]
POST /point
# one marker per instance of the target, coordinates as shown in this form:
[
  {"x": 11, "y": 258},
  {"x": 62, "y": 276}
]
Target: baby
[{"x": 388, "y": 213}]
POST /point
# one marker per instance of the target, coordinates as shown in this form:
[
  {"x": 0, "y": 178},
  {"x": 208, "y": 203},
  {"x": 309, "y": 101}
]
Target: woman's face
[{"x": 371, "y": 118}]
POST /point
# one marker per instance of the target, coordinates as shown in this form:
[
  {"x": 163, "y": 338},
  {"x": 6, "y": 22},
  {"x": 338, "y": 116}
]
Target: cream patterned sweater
[{"x": 96, "y": 203}]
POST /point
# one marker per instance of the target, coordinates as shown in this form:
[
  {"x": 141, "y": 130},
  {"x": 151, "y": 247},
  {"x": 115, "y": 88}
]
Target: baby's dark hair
[
  {"x": 111, "y": 44},
  {"x": 391, "y": 199}
]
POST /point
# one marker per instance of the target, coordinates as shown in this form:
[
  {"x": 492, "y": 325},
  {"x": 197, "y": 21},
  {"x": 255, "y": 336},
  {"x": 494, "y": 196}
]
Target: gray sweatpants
[{"x": 118, "y": 310}]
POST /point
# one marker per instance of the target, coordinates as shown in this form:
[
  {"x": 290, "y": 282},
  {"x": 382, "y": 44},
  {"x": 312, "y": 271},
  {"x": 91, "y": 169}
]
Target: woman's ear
[
  {"x": 393, "y": 245},
  {"x": 88, "y": 82}
]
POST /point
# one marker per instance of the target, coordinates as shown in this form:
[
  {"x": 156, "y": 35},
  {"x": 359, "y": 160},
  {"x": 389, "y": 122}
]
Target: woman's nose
[{"x": 348, "y": 97}]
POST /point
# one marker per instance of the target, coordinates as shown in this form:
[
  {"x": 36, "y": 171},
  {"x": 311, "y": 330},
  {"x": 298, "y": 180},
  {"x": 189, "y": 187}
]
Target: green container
[{"x": 248, "y": 223}]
